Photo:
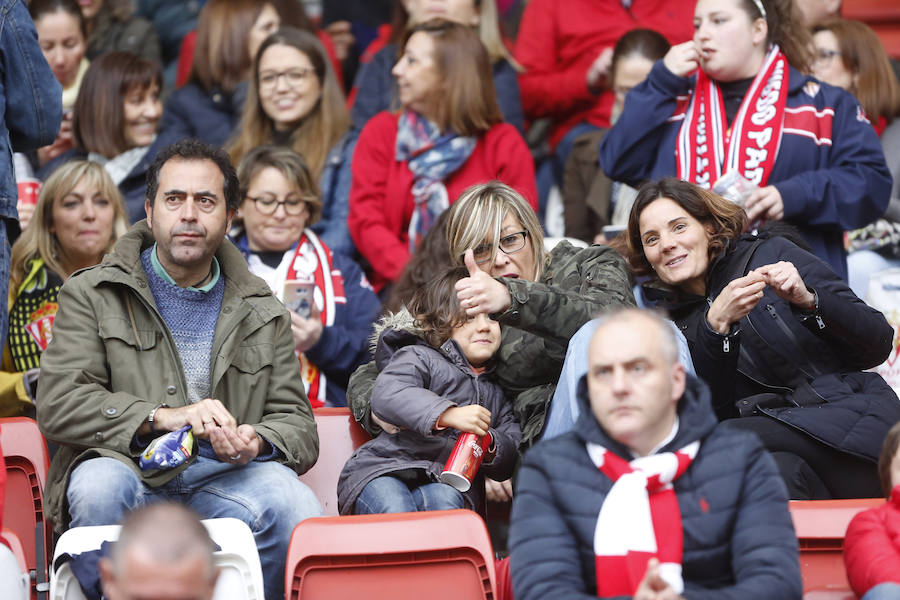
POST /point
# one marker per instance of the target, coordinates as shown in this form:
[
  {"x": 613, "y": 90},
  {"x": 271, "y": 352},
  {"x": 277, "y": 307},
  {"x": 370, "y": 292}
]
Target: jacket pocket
[
  {"x": 245, "y": 386},
  {"x": 250, "y": 359},
  {"x": 120, "y": 331}
]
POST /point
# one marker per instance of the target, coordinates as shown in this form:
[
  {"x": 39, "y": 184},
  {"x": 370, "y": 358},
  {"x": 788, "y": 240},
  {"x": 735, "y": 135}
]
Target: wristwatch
[{"x": 152, "y": 416}]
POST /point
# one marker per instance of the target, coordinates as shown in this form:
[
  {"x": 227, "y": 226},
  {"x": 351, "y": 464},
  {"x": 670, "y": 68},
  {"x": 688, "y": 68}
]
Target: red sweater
[
  {"x": 381, "y": 201},
  {"x": 558, "y": 42},
  {"x": 872, "y": 546}
]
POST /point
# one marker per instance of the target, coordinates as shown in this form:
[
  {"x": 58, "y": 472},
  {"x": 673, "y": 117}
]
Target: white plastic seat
[{"x": 240, "y": 573}]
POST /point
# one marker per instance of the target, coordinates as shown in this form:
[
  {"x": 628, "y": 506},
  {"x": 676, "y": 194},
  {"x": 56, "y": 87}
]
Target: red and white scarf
[
  {"x": 313, "y": 258},
  {"x": 309, "y": 258},
  {"x": 707, "y": 149},
  {"x": 639, "y": 519}
]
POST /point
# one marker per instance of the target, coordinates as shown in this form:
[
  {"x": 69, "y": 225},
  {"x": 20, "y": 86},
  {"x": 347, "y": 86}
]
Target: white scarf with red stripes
[
  {"x": 639, "y": 519},
  {"x": 707, "y": 148}
]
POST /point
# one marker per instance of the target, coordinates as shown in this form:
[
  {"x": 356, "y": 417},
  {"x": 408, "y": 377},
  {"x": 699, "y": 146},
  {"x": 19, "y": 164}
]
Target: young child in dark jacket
[{"x": 435, "y": 381}]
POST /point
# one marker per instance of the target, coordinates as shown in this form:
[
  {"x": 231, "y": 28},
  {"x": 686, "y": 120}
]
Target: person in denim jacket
[{"x": 30, "y": 115}]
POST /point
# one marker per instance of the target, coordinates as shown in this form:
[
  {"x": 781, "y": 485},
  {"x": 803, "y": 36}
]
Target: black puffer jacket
[
  {"x": 803, "y": 368},
  {"x": 415, "y": 385},
  {"x": 739, "y": 541}
]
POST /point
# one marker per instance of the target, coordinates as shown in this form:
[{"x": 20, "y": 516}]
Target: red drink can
[
  {"x": 462, "y": 466},
  {"x": 29, "y": 190}
]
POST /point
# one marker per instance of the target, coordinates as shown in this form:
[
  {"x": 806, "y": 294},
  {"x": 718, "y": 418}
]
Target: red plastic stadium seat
[
  {"x": 820, "y": 527},
  {"x": 440, "y": 555},
  {"x": 27, "y": 461},
  {"x": 339, "y": 436}
]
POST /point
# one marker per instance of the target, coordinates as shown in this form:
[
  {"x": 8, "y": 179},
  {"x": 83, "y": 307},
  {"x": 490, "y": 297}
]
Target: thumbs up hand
[{"x": 479, "y": 292}]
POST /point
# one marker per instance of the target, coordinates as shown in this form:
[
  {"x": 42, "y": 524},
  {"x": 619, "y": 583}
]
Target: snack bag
[{"x": 169, "y": 450}]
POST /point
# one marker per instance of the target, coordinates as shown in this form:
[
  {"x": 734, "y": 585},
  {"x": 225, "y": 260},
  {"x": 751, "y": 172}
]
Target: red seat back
[
  {"x": 27, "y": 461},
  {"x": 339, "y": 436},
  {"x": 820, "y": 527},
  {"x": 439, "y": 555}
]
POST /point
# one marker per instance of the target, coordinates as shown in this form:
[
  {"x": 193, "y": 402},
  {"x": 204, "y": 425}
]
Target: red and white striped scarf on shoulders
[
  {"x": 639, "y": 519},
  {"x": 707, "y": 149}
]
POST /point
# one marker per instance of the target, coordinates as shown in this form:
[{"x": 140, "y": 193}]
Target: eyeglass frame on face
[
  {"x": 300, "y": 74},
  {"x": 824, "y": 55},
  {"x": 490, "y": 247},
  {"x": 288, "y": 203}
]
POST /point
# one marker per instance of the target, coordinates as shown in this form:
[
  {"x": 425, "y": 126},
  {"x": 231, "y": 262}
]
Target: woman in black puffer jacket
[{"x": 780, "y": 339}]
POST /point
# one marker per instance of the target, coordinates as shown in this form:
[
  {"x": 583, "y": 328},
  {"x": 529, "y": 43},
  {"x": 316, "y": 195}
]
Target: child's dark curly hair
[{"x": 435, "y": 308}]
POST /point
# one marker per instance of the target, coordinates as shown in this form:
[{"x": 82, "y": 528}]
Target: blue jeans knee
[
  {"x": 438, "y": 496},
  {"x": 383, "y": 495},
  {"x": 102, "y": 490}
]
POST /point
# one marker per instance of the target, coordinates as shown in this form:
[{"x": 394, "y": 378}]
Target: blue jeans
[
  {"x": 883, "y": 591},
  {"x": 267, "y": 496},
  {"x": 564, "y": 408},
  {"x": 388, "y": 494}
]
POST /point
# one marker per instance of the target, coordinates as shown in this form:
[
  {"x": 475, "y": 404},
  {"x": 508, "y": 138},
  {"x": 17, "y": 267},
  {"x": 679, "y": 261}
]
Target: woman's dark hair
[
  {"x": 39, "y": 8},
  {"x": 785, "y": 29},
  {"x": 98, "y": 124},
  {"x": 875, "y": 85},
  {"x": 467, "y": 101},
  {"x": 641, "y": 42},
  {"x": 888, "y": 451},
  {"x": 723, "y": 219},
  {"x": 435, "y": 307},
  {"x": 431, "y": 256}
]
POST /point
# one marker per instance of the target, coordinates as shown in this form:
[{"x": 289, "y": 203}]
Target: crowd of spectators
[{"x": 735, "y": 163}]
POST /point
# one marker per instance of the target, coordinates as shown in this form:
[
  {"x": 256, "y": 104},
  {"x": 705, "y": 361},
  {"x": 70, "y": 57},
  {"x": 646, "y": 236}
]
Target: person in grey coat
[{"x": 435, "y": 382}]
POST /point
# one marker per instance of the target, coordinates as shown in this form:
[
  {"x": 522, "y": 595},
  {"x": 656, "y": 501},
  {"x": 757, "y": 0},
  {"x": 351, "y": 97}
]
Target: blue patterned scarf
[{"x": 432, "y": 157}]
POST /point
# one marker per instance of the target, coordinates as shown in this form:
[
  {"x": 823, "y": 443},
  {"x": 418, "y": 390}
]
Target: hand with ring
[{"x": 238, "y": 446}]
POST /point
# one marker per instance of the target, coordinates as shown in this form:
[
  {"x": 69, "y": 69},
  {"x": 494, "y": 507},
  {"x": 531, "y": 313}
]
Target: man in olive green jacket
[{"x": 172, "y": 330}]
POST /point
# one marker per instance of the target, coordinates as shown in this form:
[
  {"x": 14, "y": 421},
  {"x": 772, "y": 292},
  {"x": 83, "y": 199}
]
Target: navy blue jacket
[
  {"x": 739, "y": 540},
  {"x": 30, "y": 97},
  {"x": 777, "y": 349},
  {"x": 830, "y": 169},
  {"x": 192, "y": 112},
  {"x": 377, "y": 90}
]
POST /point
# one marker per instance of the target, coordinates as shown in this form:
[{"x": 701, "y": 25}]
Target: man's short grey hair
[
  {"x": 167, "y": 531},
  {"x": 667, "y": 340}
]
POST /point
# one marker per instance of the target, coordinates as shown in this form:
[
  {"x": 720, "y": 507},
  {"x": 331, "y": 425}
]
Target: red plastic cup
[
  {"x": 29, "y": 190},
  {"x": 462, "y": 466}
]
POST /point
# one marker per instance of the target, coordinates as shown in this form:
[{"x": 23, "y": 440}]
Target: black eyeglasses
[
  {"x": 267, "y": 205},
  {"x": 509, "y": 244}
]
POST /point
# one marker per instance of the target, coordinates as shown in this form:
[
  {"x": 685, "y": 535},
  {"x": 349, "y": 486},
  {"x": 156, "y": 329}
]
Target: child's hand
[{"x": 470, "y": 419}]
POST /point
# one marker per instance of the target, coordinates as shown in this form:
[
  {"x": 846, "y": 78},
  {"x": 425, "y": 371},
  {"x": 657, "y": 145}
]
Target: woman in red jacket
[
  {"x": 449, "y": 134},
  {"x": 872, "y": 542}
]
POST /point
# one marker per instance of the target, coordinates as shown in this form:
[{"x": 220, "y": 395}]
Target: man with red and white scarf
[{"x": 648, "y": 497}]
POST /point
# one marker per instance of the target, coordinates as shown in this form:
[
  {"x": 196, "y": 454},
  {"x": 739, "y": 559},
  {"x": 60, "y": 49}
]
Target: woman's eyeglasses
[
  {"x": 509, "y": 244},
  {"x": 267, "y": 205},
  {"x": 294, "y": 78}
]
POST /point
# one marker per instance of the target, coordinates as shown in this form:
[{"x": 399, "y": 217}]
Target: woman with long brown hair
[
  {"x": 449, "y": 135},
  {"x": 849, "y": 55},
  {"x": 294, "y": 100}
]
